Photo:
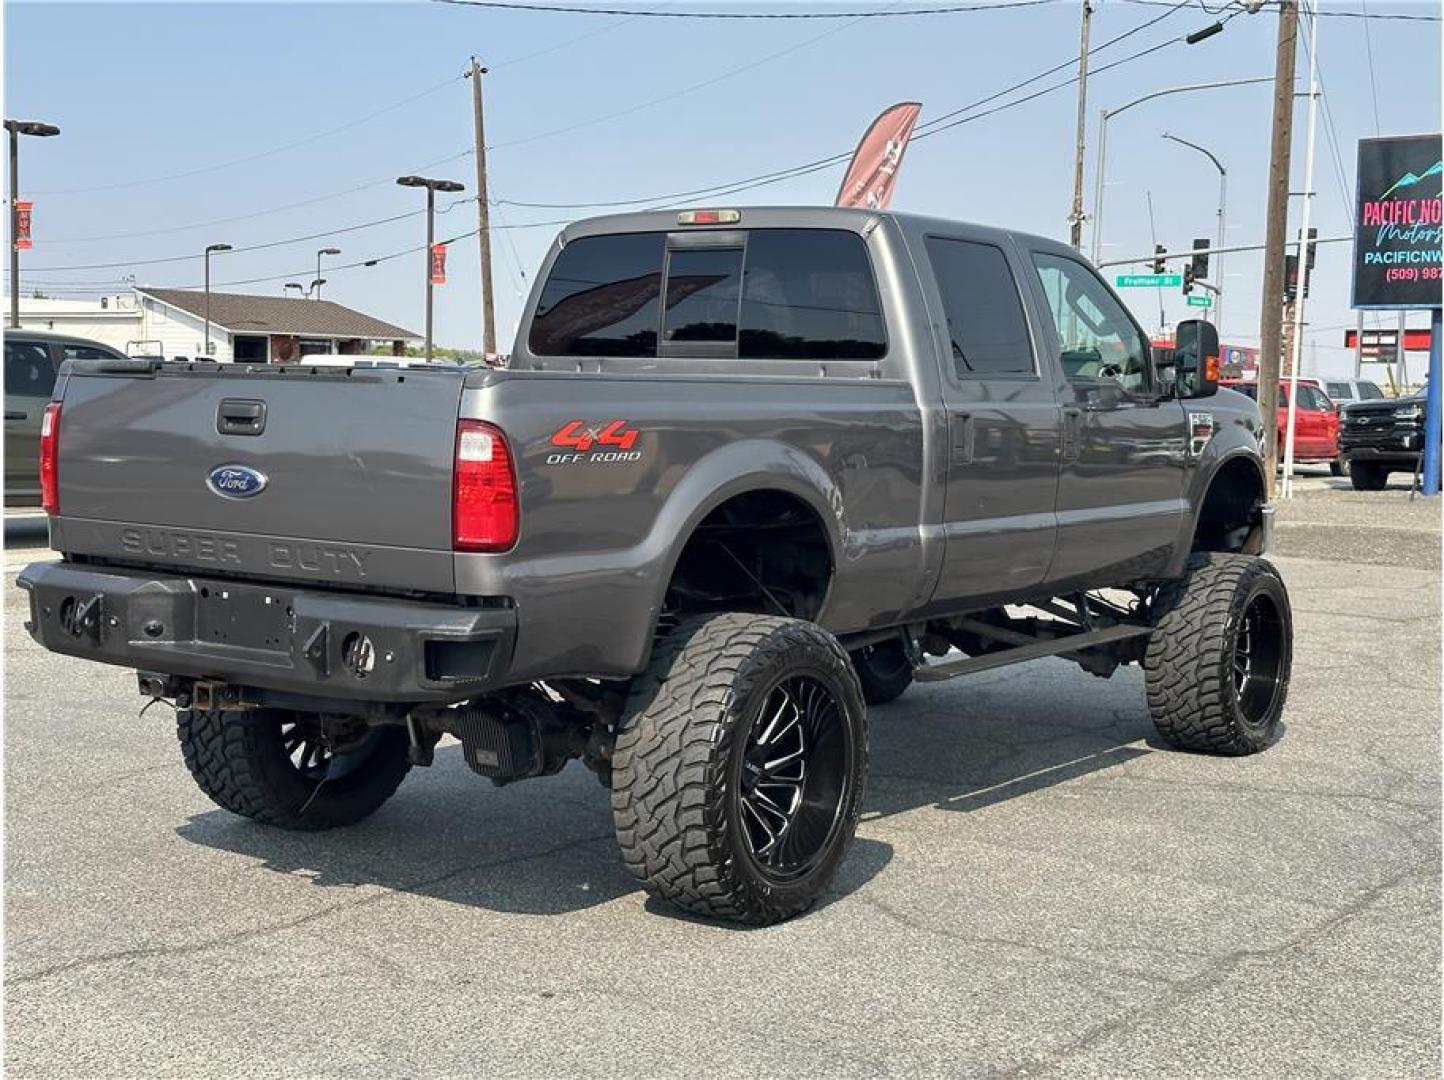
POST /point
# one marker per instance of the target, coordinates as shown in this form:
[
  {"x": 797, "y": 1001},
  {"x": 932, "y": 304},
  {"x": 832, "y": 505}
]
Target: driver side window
[{"x": 1096, "y": 338}]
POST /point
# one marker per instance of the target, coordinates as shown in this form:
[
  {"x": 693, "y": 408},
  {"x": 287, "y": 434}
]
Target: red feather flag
[{"x": 873, "y": 172}]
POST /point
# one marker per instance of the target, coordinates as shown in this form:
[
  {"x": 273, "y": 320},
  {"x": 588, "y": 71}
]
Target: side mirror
[{"x": 1196, "y": 359}]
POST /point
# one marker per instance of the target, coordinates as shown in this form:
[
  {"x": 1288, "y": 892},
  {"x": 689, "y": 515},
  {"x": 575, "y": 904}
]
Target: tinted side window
[
  {"x": 809, "y": 294},
  {"x": 1310, "y": 397},
  {"x": 90, "y": 352},
  {"x": 1339, "y": 390},
  {"x": 1369, "y": 391},
  {"x": 602, "y": 298},
  {"x": 985, "y": 314},
  {"x": 28, "y": 370}
]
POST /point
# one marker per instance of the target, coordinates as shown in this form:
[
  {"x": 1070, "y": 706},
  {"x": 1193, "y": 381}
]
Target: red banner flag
[
  {"x": 22, "y": 224},
  {"x": 873, "y": 172},
  {"x": 438, "y": 264}
]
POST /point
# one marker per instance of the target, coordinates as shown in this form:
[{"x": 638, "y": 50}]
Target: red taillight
[
  {"x": 484, "y": 513},
  {"x": 49, "y": 451}
]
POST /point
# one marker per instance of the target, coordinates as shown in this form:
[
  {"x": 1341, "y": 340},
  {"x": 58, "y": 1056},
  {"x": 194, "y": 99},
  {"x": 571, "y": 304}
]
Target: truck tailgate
[{"x": 356, "y": 467}]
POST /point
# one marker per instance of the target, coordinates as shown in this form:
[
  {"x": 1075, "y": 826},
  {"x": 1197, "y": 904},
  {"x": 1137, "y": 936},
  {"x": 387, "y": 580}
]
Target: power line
[
  {"x": 387, "y": 179},
  {"x": 249, "y": 247},
  {"x": 1376, "y": 16},
  {"x": 314, "y": 138},
  {"x": 883, "y": 13},
  {"x": 281, "y": 243},
  {"x": 791, "y": 172},
  {"x": 1369, "y": 52},
  {"x": 606, "y": 29},
  {"x": 943, "y": 123},
  {"x": 678, "y": 93},
  {"x": 259, "y": 154}
]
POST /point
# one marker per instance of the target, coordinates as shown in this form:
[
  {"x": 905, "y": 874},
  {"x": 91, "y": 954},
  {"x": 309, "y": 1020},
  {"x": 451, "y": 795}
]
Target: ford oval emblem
[{"x": 236, "y": 481}]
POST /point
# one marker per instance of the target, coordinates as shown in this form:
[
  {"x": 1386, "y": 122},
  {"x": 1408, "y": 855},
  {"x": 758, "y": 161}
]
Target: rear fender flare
[{"x": 737, "y": 469}]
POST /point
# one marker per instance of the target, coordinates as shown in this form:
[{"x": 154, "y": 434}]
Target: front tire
[
  {"x": 884, "y": 670},
  {"x": 1217, "y": 665},
  {"x": 277, "y": 768},
  {"x": 1339, "y": 466},
  {"x": 739, "y": 767}
]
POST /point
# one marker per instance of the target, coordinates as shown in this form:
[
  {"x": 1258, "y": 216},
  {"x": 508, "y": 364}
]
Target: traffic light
[
  {"x": 1159, "y": 251},
  {"x": 1188, "y": 276},
  {"x": 1291, "y": 277},
  {"x": 1200, "y": 259},
  {"x": 1310, "y": 249}
]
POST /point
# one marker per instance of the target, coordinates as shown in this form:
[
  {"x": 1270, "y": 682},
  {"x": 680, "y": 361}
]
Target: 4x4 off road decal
[{"x": 607, "y": 442}]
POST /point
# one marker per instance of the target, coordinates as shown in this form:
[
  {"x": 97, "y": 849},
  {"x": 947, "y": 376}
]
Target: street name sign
[
  {"x": 1200, "y": 301},
  {"x": 1146, "y": 281}
]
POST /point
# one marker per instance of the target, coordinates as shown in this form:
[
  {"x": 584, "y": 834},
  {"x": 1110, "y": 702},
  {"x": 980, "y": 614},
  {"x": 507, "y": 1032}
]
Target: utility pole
[
  {"x": 483, "y": 216},
  {"x": 1275, "y": 239},
  {"x": 1296, "y": 353},
  {"x": 1075, "y": 216}
]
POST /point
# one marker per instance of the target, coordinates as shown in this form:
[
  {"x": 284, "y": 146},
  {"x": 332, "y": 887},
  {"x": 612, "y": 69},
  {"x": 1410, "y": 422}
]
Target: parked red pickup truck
[{"x": 1317, "y": 439}]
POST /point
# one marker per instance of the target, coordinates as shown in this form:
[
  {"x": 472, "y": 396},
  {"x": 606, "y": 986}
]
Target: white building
[{"x": 258, "y": 329}]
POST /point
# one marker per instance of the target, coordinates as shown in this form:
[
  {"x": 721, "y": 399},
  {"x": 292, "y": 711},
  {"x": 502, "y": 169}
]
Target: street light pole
[
  {"x": 1108, "y": 114},
  {"x": 16, "y": 128},
  {"x": 319, "y": 282},
  {"x": 1297, "y": 357},
  {"x": 1075, "y": 215},
  {"x": 432, "y": 187},
  {"x": 209, "y": 249},
  {"x": 1222, "y": 224}
]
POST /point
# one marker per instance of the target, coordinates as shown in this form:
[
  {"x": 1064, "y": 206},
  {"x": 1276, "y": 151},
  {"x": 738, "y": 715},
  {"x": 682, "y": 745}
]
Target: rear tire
[
  {"x": 1339, "y": 466},
  {"x": 1368, "y": 476},
  {"x": 246, "y": 762},
  {"x": 884, "y": 670},
  {"x": 1217, "y": 665},
  {"x": 739, "y": 767}
]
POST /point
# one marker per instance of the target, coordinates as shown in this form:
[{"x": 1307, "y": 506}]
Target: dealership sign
[{"x": 1399, "y": 223}]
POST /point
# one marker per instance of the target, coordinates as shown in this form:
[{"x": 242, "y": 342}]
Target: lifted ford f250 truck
[{"x": 747, "y": 471}]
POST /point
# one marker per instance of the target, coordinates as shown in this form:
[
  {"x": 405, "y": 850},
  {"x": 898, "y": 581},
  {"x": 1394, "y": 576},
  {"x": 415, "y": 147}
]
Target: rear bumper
[{"x": 303, "y": 641}]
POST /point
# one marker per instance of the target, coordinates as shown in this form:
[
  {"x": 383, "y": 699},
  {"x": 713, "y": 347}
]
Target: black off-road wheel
[
  {"x": 884, "y": 670},
  {"x": 1217, "y": 666},
  {"x": 1368, "y": 476},
  {"x": 281, "y": 769},
  {"x": 739, "y": 767}
]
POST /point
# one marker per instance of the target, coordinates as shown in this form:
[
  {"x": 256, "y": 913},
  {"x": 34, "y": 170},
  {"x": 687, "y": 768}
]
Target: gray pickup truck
[{"x": 748, "y": 472}]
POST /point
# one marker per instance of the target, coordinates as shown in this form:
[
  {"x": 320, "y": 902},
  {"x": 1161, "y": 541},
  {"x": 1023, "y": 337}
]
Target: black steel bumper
[{"x": 308, "y": 642}]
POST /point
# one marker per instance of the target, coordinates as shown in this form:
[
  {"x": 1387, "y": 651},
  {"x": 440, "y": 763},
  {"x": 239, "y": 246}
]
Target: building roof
[{"x": 242, "y": 314}]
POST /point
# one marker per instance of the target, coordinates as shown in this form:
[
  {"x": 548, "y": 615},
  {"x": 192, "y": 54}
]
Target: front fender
[{"x": 1235, "y": 437}]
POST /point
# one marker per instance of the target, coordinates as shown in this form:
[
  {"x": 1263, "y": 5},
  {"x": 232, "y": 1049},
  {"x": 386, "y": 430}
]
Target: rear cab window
[
  {"x": 987, "y": 329},
  {"x": 759, "y": 294}
]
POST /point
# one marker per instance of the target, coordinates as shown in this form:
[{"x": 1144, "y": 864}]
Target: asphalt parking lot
[{"x": 1038, "y": 886}]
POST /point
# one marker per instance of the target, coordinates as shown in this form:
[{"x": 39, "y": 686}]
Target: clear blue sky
[{"x": 148, "y": 91}]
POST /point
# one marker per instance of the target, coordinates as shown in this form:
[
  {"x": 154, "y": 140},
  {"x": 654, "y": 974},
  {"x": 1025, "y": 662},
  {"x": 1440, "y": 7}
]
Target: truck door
[
  {"x": 1004, "y": 425},
  {"x": 1121, "y": 504}
]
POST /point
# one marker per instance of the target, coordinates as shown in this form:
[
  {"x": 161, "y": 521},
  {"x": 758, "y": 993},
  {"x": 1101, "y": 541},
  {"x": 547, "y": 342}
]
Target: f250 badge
[
  {"x": 1200, "y": 430},
  {"x": 607, "y": 442}
]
